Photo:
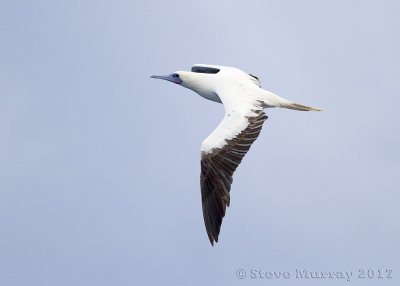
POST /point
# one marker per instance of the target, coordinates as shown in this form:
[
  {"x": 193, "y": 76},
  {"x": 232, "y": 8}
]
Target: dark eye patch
[{"x": 200, "y": 69}]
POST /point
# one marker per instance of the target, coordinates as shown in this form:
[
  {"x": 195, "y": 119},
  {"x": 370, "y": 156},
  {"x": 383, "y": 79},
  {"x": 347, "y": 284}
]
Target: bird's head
[
  {"x": 198, "y": 82},
  {"x": 173, "y": 77}
]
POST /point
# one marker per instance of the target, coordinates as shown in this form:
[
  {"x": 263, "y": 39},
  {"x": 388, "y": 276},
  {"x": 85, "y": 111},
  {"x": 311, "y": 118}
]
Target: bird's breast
[{"x": 210, "y": 95}]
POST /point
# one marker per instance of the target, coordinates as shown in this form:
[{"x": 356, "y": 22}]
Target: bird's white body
[
  {"x": 223, "y": 150},
  {"x": 240, "y": 83},
  {"x": 239, "y": 92}
]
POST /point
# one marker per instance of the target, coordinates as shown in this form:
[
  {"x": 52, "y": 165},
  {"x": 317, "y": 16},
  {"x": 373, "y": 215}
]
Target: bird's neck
[
  {"x": 202, "y": 84},
  {"x": 197, "y": 82}
]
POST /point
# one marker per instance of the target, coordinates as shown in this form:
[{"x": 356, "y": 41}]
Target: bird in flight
[{"x": 223, "y": 150}]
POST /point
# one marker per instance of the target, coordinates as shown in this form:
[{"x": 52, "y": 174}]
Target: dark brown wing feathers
[{"x": 217, "y": 168}]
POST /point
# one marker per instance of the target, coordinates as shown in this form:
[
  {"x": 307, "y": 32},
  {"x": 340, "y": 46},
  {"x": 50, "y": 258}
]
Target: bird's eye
[{"x": 175, "y": 75}]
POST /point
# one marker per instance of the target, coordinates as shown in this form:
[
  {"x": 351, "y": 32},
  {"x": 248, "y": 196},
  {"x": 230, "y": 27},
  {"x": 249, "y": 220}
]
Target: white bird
[{"x": 222, "y": 151}]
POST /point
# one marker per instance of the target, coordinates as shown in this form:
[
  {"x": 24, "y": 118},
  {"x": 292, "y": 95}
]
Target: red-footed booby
[{"x": 222, "y": 151}]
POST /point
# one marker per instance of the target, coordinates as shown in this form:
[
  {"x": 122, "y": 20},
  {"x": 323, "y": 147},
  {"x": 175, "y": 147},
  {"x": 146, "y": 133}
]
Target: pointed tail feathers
[
  {"x": 271, "y": 99},
  {"x": 295, "y": 106}
]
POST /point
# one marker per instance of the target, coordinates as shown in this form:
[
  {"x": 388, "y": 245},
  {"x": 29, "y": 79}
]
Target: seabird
[{"x": 221, "y": 152}]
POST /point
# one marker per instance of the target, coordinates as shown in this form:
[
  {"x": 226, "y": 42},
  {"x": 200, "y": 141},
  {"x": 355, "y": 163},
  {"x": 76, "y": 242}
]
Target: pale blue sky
[{"x": 99, "y": 164}]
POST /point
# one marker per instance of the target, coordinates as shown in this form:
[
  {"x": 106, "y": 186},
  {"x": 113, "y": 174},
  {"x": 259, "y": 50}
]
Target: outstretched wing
[{"x": 221, "y": 153}]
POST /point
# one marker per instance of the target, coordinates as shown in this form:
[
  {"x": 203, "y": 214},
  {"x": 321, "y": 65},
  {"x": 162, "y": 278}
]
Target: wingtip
[{"x": 212, "y": 239}]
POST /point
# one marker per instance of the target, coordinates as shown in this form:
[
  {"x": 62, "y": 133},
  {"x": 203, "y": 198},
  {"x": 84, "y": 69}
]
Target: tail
[
  {"x": 295, "y": 106},
  {"x": 272, "y": 100}
]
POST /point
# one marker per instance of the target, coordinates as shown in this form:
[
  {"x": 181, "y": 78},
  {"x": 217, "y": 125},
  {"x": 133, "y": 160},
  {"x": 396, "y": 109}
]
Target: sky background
[{"x": 99, "y": 164}]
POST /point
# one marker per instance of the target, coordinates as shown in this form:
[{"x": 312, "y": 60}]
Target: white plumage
[{"x": 223, "y": 150}]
